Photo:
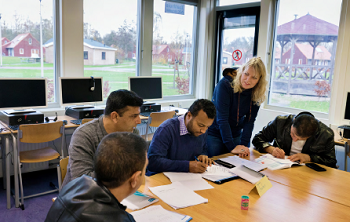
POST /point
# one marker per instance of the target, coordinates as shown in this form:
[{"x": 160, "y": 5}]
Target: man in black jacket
[
  {"x": 301, "y": 137},
  {"x": 120, "y": 165}
]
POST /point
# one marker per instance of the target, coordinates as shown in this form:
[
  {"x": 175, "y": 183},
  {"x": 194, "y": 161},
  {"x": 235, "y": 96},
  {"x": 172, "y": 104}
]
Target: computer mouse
[
  {"x": 64, "y": 122},
  {"x": 176, "y": 111}
]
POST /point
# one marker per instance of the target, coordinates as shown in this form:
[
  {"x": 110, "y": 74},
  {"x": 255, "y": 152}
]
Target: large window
[
  {"x": 305, "y": 41},
  {"x": 20, "y": 32},
  {"x": 173, "y": 46},
  {"x": 110, "y": 37}
]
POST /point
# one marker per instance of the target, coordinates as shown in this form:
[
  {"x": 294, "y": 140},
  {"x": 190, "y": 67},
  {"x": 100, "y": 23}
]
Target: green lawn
[
  {"x": 117, "y": 80},
  {"x": 318, "y": 106}
]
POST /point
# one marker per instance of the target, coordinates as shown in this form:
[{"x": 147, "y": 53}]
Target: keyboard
[
  {"x": 344, "y": 127},
  {"x": 76, "y": 121},
  {"x": 14, "y": 127}
]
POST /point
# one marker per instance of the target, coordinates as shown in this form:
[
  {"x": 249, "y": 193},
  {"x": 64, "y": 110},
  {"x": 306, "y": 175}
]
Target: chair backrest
[
  {"x": 63, "y": 167},
  {"x": 158, "y": 118},
  {"x": 85, "y": 121},
  {"x": 40, "y": 133}
]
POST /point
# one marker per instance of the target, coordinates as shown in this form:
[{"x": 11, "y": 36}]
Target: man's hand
[
  {"x": 241, "y": 150},
  {"x": 205, "y": 159},
  {"x": 278, "y": 152},
  {"x": 197, "y": 167},
  {"x": 301, "y": 157}
]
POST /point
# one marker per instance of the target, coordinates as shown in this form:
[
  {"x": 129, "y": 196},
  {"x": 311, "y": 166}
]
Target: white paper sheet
[
  {"x": 237, "y": 161},
  {"x": 174, "y": 176},
  {"x": 177, "y": 195},
  {"x": 198, "y": 184},
  {"x": 158, "y": 214}
]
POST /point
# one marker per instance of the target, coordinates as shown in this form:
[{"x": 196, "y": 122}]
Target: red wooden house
[
  {"x": 164, "y": 52},
  {"x": 23, "y": 45},
  {"x": 303, "y": 55},
  {"x": 4, "y": 42}
]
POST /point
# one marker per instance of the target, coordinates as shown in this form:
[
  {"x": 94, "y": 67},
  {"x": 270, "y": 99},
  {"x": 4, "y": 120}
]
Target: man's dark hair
[
  {"x": 118, "y": 100},
  {"x": 305, "y": 125},
  {"x": 203, "y": 104},
  {"x": 119, "y": 155}
]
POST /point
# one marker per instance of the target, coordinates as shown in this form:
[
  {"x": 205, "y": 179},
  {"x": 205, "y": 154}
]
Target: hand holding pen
[
  {"x": 197, "y": 166},
  {"x": 277, "y": 151}
]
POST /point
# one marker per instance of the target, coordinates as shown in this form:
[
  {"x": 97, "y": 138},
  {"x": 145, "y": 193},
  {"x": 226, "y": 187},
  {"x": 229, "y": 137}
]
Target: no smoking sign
[{"x": 237, "y": 55}]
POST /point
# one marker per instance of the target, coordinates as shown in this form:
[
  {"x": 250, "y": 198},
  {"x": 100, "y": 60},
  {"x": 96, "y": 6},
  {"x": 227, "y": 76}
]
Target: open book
[{"x": 274, "y": 163}]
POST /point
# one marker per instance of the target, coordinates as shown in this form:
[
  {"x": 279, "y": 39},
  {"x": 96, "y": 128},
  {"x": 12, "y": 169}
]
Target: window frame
[
  {"x": 21, "y": 51},
  {"x": 270, "y": 41},
  {"x": 103, "y": 55},
  {"x": 86, "y": 55}
]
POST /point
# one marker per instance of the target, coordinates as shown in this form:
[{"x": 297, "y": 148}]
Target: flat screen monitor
[
  {"x": 148, "y": 88},
  {"x": 80, "y": 90},
  {"x": 347, "y": 108},
  {"x": 21, "y": 93}
]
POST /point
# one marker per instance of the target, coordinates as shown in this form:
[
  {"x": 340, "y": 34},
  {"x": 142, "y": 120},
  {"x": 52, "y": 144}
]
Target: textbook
[
  {"x": 158, "y": 213},
  {"x": 273, "y": 163},
  {"x": 138, "y": 200}
]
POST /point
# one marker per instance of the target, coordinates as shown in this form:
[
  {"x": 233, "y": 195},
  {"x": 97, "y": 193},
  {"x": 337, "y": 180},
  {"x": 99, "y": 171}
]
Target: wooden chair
[
  {"x": 157, "y": 118},
  {"x": 38, "y": 133},
  {"x": 61, "y": 171},
  {"x": 83, "y": 121}
]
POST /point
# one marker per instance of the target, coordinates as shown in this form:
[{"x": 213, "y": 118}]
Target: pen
[
  {"x": 196, "y": 158},
  {"x": 277, "y": 143}
]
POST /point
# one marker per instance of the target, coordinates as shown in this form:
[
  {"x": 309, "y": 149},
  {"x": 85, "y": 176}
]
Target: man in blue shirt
[{"x": 179, "y": 141}]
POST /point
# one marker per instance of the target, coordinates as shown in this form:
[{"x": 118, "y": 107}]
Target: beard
[{"x": 191, "y": 130}]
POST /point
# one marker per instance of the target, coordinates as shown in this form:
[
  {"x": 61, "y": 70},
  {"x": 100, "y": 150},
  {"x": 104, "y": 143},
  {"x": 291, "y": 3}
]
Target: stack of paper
[
  {"x": 273, "y": 163},
  {"x": 247, "y": 174},
  {"x": 158, "y": 214},
  {"x": 138, "y": 200},
  {"x": 192, "y": 181},
  {"x": 237, "y": 161},
  {"x": 177, "y": 195},
  {"x": 217, "y": 173}
]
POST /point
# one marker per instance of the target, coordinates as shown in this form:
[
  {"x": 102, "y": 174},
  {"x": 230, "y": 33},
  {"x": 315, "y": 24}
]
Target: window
[
  {"x": 173, "y": 38},
  {"x": 22, "y": 28},
  {"x": 304, "y": 30},
  {"x": 224, "y": 60},
  {"x": 110, "y": 37},
  {"x": 86, "y": 55}
]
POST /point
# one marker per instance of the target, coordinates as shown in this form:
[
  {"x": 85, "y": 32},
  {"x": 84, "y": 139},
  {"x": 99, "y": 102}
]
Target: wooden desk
[
  {"x": 280, "y": 203},
  {"x": 332, "y": 184}
]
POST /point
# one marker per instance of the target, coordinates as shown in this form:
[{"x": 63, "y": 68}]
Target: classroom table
[
  {"x": 281, "y": 203},
  {"x": 7, "y": 137}
]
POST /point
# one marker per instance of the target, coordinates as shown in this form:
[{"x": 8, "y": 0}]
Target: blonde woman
[{"x": 237, "y": 98}]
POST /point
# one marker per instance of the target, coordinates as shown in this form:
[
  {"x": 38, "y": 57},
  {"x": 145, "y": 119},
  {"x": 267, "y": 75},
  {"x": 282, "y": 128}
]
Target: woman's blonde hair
[{"x": 259, "y": 89}]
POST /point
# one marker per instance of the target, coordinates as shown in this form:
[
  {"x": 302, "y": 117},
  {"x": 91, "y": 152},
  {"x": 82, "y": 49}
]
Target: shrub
[
  {"x": 106, "y": 89},
  {"x": 182, "y": 85},
  {"x": 323, "y": 88}
]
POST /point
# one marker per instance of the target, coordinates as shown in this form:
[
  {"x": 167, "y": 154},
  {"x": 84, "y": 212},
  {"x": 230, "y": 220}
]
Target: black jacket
[
  {"x": 320, "y": 146},
  {"x": 83, "y": 199}
]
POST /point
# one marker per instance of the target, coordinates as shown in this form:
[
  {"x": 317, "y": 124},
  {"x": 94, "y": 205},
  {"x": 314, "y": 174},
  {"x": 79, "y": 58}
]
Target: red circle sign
[{"x": 237, "y": 55}]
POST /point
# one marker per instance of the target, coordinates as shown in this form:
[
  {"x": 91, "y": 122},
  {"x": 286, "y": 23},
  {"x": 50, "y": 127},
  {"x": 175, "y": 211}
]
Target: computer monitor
[
  {"x": 22, "y": 93},
  {"x": 347, "y": 108},
  {"x": 75, "y": 91},
  {"x": 148, "y": 88}
]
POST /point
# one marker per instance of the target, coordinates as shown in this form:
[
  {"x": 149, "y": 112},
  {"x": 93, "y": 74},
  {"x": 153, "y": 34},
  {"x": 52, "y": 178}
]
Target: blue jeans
[{"x": 217, "y": 147}]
